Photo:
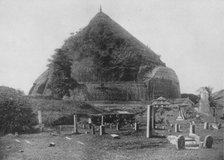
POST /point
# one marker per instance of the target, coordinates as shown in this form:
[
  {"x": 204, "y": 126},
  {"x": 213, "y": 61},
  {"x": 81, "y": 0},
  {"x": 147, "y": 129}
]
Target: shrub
[{"x": 15, "y": 112}]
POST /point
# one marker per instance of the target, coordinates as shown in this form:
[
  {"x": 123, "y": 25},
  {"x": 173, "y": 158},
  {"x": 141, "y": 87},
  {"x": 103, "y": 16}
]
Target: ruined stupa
[{"x": 111, "y": 64}]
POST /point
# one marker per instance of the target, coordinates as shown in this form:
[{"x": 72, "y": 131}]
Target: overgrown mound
[{"x": 103, "y": 51}]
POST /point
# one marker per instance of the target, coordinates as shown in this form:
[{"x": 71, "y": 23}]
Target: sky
[{"x": 188, "y": 34}]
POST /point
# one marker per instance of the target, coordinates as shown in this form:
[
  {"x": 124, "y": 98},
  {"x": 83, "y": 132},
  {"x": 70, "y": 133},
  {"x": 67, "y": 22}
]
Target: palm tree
[{"x": 212, "y": 100}]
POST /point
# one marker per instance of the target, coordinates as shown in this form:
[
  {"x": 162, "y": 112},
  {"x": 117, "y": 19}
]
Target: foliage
[
  {"x": 61, "y": 80},
  {"x": 189, "y": 112},
  {"x": 15, "y": 112}
]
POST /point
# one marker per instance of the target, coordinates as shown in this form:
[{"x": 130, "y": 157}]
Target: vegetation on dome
[
  {"x": 104, "y": 51},
  {"x": 61, "y": 80}
]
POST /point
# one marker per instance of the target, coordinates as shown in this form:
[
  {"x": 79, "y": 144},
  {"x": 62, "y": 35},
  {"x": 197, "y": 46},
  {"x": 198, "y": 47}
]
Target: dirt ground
[{"x": 130, "y": 146}]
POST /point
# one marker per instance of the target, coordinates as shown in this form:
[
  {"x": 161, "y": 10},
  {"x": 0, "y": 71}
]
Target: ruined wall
[{"x": 115, "y": 91}]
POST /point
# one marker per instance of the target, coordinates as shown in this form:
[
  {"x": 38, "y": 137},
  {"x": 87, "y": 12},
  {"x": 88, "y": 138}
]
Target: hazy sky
[{"x": 188, "y": 34}]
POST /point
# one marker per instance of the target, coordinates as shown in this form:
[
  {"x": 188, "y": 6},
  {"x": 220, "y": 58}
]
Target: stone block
[
  {"x": 180, "y": 144},
  {"x": 208, "y": 141}
]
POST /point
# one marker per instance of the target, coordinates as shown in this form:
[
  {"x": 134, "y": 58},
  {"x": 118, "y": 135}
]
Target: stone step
[
  {"x": 190, "y": 142},
  {"x": 189, "y": 139},
  {"x": 192, "y": 147}
]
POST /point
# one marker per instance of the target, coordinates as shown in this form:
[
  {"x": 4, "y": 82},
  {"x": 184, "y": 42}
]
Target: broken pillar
[
  {"x": 149, "y": 127},
  {"x": 75, "y": 124},
  {"x": 102, "y": 130},
  {"x": 176, "y": 128},
  {"x": 136, "y": 126},
  {"x": 192, "y": 128},
  {"x": 39, "y": 116},
  {"x": 118, "y": 126},
  {"x": 102, "y": 122}
]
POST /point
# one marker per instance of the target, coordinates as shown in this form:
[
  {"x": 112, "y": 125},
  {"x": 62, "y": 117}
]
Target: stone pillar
[
  {"x": 179, "y": 128},
  {"x": 75, "y": 124},
  {"x": 118, "y": 126},
  {"x": 89, "y": 123},
  {"x": 149, "y": 128},
  {"x": 176, "y": 127},
  {"x": 192, "y": 129},
  {"x": 206, "y": 125},
  {"x": 136, "y": 126},
  {"x": 102, "y": 118},
  {"x": 89, "y": 120},
  {"x": 102, "y": 130},
  {"x": 153, "y": 117},
  {"x": 39, "y": 116}
]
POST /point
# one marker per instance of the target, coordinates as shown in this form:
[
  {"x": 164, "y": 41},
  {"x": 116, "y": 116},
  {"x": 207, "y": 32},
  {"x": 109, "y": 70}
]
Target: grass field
[{"x": 131, "y": 145}]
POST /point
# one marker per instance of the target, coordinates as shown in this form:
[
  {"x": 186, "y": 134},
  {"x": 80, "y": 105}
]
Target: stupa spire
[{"x": 100, "y": 8}]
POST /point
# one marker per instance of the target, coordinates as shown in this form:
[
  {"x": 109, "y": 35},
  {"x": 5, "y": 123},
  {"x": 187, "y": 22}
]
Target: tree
[
  {"x": 15, "y": 112},
  {"x": 61, "y": 80},
  {"x": 212, "y": 100}
]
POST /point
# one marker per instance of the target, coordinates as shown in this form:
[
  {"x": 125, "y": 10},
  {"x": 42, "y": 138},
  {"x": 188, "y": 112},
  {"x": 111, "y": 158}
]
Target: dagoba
[{"x": 112, "y": 65}]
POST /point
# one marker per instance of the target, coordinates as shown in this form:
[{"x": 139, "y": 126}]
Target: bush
[{"x": 15, "y": 112}]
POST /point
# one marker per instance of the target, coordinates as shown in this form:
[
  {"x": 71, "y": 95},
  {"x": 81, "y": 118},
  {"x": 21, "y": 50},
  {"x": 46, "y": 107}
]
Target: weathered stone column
[
  {"x": 118, "y": 126},
  {"x": 102, "y": 118},
  {"x": 153, "y": 117},
  {"x": 176, "y": 127},
  {"x": 102, "y": 130},
  {"x": 89, "y": 123},
  {"x": 149, "y": 127},
  {"x": 192, "y": 129},
  {"x": 75, "y": 124},
  {"x": 39, "y": 116},
  {"x": 136, "y": 126}
]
